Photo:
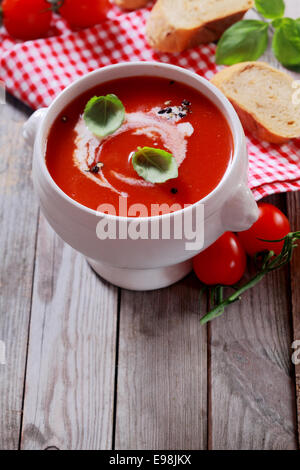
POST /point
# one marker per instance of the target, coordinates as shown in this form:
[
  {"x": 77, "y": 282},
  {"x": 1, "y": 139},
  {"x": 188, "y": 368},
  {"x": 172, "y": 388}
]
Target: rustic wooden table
[{"x": 90, "y": 366}]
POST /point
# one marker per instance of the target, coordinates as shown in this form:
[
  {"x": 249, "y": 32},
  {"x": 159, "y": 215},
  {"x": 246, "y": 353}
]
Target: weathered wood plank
[
  {"x": 162, "y": 370},
  {"x": 18, "y": 215},
  {"x": 293, "y": 202},
  {"x": 71, "y": 358},
  {"x": 252, "y": 383}
]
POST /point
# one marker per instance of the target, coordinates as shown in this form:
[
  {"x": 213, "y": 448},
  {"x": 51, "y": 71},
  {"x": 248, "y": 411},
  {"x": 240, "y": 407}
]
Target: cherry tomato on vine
[
  {"x": 83, "y": 14},
  {"x": 272, "y": 224},
  {"x": 224, "y": 262},
  {"x": 26, "y": 19}
]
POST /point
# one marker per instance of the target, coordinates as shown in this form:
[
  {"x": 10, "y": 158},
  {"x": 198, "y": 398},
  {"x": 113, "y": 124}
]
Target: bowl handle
[
  {"x": 240, "y": 211},
  {"x": 32, "y": 124}
]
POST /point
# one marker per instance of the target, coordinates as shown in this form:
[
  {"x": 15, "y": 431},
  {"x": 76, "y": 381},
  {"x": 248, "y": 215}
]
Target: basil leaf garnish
[
  {"x": 154, "y": 165},
  {"x": 270, "y": 8},
  {"x": 286, "y": 42},
  {"x": 245, "y": 41},
  {"x": 103, "y": 115}
]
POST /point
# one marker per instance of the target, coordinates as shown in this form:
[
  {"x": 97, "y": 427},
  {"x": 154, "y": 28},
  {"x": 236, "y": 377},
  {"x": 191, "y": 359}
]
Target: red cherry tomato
[
  {"x": 26, "y": 19},
  {"x": 224, "y": 262},
  {"x": 83, "y": 14},
  {"x": 272, "y": 224}
]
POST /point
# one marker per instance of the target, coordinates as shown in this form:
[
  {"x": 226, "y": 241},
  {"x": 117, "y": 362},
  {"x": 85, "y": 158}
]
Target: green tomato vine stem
[
  {"x": 269, "y": 262},
  {"x": 55, "y": 4}
]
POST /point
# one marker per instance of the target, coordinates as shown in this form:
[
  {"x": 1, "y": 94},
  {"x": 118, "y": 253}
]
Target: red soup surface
[{"x": 160, "y": 114}]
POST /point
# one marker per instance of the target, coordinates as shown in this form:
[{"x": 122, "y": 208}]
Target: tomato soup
[{"x": 160, "y": 113}]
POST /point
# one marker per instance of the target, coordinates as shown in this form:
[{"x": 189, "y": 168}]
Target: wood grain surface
[
  {"x": 89, "y": 366},
  {"x": 18, "y": 215},
  {"x": 162, "y": 370},
  {"x": 252, "y": 392},
  {"x": 71, "y": 359}
]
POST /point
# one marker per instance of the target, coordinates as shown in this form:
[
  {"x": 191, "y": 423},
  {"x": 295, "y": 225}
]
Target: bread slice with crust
[
  {"x": 176, "y": 25},
  {"x": 131, "y": 4},
  {"x": 263, "y": 99}
]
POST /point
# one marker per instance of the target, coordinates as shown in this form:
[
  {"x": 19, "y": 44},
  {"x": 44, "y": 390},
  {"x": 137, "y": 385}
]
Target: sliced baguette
[
  {"x": 176, "y": 25},
  {"x": 131, "y": 4},
  {"x": 262, "y": 97}
]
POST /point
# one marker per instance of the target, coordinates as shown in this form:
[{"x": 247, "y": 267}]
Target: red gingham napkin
[{"x": 36, "y": 71}]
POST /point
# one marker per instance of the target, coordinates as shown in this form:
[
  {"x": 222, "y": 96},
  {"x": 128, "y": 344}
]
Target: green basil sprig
[
  {"x": 270, "y": 9},
  {"x": 154, "y": 165},
  {"x": 286, "y": 42},
  {"x": 104, "y": 115},
  {"x": 266, "y": 262},
  {"x": 247, "y": 40}
]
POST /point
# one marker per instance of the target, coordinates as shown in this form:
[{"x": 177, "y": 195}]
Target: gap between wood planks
[
  {"x": 28, "y": 334},
  {"x": 113, "y": 440},
  {"x": 293, "y": 205}
]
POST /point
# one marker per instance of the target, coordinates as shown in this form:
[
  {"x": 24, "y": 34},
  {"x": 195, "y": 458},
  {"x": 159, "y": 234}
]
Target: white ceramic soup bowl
[{"x": 159, "y": 260}]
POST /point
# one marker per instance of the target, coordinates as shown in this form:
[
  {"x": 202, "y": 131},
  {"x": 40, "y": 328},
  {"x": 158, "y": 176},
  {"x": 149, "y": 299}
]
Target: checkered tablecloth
[{"x": 36, "y": 71}]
